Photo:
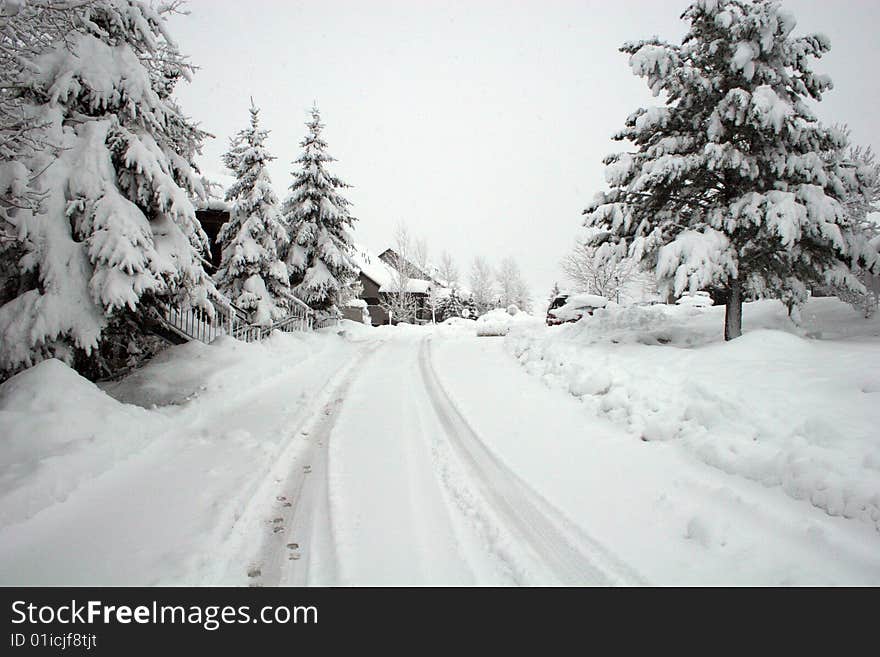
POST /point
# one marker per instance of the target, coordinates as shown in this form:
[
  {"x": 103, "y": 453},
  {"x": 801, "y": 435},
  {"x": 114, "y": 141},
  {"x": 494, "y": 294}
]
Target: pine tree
[
  {"x": 319, "y": 256},
  {"x": 251, "y": 271},
  {"x": 470, "y": 306},
  {"x": 110, "y": 157},
  {"x": 450, "y": 306},
  {"x": 863, "y": 208},
  {"x": 734, "y": 183}
]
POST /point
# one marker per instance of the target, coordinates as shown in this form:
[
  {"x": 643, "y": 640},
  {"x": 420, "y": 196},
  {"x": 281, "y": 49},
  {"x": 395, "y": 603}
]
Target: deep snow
[
  {"x": 97, "y": 491},
  {"x": 631, "y": 447},
  {"x": 772, "y": 406}
]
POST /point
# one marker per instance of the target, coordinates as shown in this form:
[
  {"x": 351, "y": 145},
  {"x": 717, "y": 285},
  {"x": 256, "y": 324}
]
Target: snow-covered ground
[
  {"x": 632, "y": 447},
  {"x": 168, "y": 480},
  {"x": 774, "y": 406},
  {"x": 689, "y": 509}
]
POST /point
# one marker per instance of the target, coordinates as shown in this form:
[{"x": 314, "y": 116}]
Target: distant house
[
  {"x": 380, "y": 278},
  {"x": 379, "y": 275},
  {"x": 373, "y": 274}
]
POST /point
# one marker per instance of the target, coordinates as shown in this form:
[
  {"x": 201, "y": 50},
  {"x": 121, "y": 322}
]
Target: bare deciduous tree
[
  {"x": 399, "y": 301},
  {"x": 448, "y": 271},
  {"x": 512, "y": 289},
  {"x": 419, "y": 255},
  {"x": 597, "y": 276},
  {"x": 482, "y": 287}
]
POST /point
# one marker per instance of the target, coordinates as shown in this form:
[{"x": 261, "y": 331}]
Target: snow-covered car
[
  {"x": 501, "y": 320},
  {"x": 557, "y": 303},
  {"x": 699, "y": 299},
  {"x": 573, "y": 307}
]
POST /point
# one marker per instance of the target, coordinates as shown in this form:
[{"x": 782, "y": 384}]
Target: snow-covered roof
[
  {"x": 372, "y": 266},
  {"x": 216, "y": 204},
  {"x": 413, "y": 285},
  {"x": 386, "y": 276}
]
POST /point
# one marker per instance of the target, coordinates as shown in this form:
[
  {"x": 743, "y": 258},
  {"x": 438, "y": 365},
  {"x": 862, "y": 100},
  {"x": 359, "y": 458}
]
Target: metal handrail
[{"x": 198, "y": 324}]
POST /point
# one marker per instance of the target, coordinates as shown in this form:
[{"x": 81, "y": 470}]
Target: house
[
  {"x": 373, "y": 274},
  {"x": 380, "y": 278},
  {"x": 379, "y": 275}
]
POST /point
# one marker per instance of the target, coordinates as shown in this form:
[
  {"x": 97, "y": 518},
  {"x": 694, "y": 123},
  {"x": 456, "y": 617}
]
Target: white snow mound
[{"x": 772, "y": 406}]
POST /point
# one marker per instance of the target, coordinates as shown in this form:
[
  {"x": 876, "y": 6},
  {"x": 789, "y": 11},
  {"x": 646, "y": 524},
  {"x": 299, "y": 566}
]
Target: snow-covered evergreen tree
[
  {"x": 470, "y": 306},
  {"x": 450, "y": 306},
  {"x": 115, "y": 233},
  {"x": 319, "y": 257},
  {"x": 864, "y": 210},
  {"x": 252, "y": 242},
  {"x": 730, "y": 184}
]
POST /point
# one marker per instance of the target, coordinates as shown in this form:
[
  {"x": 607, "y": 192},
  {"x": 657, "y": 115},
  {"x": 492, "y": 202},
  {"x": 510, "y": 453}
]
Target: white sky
[{"x": 480, "y": 124}]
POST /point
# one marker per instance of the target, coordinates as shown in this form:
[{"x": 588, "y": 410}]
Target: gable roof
[{"x": 371, "y": 266}]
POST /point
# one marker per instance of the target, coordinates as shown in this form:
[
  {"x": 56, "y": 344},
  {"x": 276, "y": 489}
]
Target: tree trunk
[{"x": 733, "y": 312}]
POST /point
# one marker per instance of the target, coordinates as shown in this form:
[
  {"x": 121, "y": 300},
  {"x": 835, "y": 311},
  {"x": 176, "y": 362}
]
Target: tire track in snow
[
  {"x": 300, "y": 496},
  {"x": 572, "y": 557}
]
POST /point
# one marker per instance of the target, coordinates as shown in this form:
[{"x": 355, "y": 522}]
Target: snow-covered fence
[
  {"x": 327, "y": 322},
  {"x": 196, "y": 324},
  {"x": 300, "y": 318}
]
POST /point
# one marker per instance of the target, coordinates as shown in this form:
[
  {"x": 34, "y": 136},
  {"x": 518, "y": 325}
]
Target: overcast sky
[{"x": 480, "y": 124}]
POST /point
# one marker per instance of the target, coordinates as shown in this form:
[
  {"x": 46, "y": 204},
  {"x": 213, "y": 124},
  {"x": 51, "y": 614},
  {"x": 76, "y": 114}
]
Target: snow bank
[
  {"x": 773, "y": 406},
  {"x": 356, "y": 331},
  {"x": 158, "y": 478},
  {"x": 685, "y": 325},
  {"x": 58, "y": 430},
  {"x": 501, "y": 322}
]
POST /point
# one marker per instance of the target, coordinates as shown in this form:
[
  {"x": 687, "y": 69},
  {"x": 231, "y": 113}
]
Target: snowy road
[
  {"x": 414, "y": 496},
  {"x": 445, "y": 463},
  {"x": 403, "y": 456}
]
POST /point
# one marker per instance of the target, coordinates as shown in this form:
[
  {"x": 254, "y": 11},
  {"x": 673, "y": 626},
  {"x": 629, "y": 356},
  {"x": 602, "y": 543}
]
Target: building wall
[
  {"x": 378, "y": 315},
  {"x": 370, "y": 294},
  {"x": 212, "y": 221}
]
